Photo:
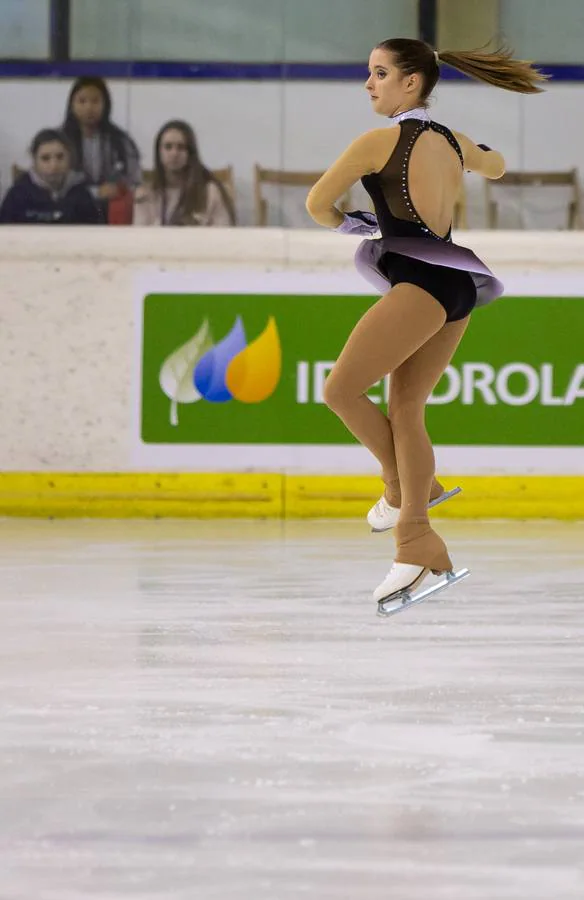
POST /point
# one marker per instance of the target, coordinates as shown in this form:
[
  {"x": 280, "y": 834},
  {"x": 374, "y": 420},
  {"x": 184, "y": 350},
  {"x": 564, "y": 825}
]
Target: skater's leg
[
  {"x": 417, "y": 542},
  {"x": 390, "y": 333},
  {"x": 387, "y": 335},
  {"x": 410, "y": 387}
]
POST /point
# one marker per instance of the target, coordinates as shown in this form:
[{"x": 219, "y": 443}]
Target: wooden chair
[
  {"x": 285, "y": 179},
  {"x": 225, "y": 176},
  {"x": 535, "y": 179}
]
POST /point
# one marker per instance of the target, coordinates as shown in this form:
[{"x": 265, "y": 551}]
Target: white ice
[{"x": 213, "y": 711}]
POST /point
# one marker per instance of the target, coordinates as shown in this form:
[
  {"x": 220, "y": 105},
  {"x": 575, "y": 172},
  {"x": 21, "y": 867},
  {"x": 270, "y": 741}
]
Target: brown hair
[
  {"x": 497, "y": 68},
  {"x": 193, "y": 197}
]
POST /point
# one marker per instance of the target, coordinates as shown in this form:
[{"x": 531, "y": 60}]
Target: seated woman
[
  {"x": 183, "y": 191},
  {"x": 50, "y": 193},
  {"x": 104, "y": 152}
]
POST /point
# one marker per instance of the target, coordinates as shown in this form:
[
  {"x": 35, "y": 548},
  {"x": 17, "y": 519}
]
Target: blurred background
[{"x": 273, "y": 90}]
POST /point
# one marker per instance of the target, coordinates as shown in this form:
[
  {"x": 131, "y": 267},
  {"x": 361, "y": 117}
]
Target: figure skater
[{"x": 412, "y": 172}]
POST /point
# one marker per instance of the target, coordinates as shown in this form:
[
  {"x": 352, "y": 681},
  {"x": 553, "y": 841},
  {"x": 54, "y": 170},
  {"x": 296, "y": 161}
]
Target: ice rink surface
[{"x": 213, "y": 711}]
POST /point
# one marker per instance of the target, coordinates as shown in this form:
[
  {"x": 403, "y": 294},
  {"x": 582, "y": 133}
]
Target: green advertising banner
[{"x": 250, "y": 368}]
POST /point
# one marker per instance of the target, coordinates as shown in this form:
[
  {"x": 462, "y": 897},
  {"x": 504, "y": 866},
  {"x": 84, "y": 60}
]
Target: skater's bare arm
[
  {"x": 488, "y": 163},
  {"x": 369, "y": 153}
]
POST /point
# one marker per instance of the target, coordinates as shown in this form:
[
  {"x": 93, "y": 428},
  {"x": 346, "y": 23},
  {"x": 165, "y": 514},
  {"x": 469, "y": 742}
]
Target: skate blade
[
  {"x": 403, "y": 600},
  {"x": 445, "y": 496}
]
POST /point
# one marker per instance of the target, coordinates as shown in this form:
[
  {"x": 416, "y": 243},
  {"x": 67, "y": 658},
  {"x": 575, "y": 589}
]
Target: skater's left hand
[{"x": 359, "y": 223}]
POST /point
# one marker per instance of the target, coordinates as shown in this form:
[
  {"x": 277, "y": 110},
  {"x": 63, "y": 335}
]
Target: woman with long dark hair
[
  {"x": 183, "y": 190},
  {"x": 102, "y": 150},
  {"x": 413, "y": 171}
]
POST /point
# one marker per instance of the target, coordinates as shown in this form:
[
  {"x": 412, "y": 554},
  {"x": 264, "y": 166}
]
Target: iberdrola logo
[{"x": 229, "y": 370}]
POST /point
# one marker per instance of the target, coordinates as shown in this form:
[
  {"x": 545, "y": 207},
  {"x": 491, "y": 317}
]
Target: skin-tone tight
[{"x": 405, "y": 335}]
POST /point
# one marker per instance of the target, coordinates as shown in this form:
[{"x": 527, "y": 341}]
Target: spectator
[
  {"x": 183, "y": 190},
  {"x": 108, "y": 156},
  {"x": 50, "y": 192}
]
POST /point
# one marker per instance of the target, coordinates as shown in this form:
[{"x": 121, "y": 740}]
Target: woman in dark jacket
[{"x": 50, "y": 193}]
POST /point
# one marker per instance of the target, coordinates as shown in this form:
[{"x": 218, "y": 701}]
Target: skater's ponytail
[{"x": 498, "y": 68}]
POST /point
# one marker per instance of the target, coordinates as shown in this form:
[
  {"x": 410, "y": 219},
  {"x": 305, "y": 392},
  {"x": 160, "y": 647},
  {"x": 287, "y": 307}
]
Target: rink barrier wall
[
  {"x": 274, "y": 496},
  {"x": 69, "y": 357}
]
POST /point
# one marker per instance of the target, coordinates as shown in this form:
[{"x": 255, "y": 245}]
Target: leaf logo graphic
[
  {"x": 253, "y": 375},
  {"x": 176, "y": 372},
  {"x": 209, "y": 375}
]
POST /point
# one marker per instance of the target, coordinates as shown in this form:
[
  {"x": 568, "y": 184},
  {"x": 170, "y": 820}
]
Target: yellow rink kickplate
[{"x": 253, "y": 495}]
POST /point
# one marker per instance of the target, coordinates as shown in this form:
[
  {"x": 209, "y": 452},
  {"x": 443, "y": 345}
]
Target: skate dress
[{"x": 409, "y": 251}]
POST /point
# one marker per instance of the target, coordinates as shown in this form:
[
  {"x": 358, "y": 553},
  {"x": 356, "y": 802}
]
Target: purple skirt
[{"x": 369, "y": 262}]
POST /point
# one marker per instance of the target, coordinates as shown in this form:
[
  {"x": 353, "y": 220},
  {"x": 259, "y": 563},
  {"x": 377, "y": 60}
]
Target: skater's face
[
  {"x": 390, "y": 91},
  {"x": 51, "y": 163}
]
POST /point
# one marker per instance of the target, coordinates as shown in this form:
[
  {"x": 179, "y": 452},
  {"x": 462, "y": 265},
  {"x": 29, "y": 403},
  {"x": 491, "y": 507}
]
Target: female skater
[{"x": 413, "y": 174}]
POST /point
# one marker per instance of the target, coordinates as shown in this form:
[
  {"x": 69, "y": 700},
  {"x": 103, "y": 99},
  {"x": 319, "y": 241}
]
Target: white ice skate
[
  {"x": 382, "y": 516},
  {"x": 394, "y": 594}
]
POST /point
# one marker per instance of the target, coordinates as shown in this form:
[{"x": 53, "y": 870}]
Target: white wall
[{"x": 306, "y": 125}]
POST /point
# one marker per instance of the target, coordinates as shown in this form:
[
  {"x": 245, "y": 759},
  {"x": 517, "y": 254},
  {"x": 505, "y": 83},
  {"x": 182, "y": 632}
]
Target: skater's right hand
[{"x": 359, "y": 223}]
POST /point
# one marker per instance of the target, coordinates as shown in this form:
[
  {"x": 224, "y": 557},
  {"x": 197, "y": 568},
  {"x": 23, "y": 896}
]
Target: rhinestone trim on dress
[{"x": 425, "y": 125}]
